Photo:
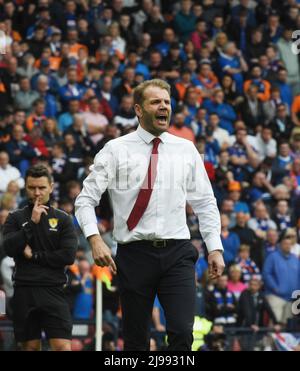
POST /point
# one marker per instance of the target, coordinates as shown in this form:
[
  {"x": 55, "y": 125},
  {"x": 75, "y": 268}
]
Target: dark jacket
[
  {"x": 251, "y": 314},
  {"x": 53, "y": 242}
]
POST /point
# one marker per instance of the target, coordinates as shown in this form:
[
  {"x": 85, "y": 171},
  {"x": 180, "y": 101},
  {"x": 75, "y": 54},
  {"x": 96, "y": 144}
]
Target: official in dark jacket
[
  {"x": 42, "y": 241},
  {"x": 253, "y": 307}
]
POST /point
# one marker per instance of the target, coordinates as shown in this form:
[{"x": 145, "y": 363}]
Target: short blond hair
[{"x": 138, "y": 93}]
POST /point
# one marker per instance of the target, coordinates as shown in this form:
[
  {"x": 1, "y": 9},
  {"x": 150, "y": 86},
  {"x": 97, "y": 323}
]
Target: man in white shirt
[
  {"x": 155, "y": 255},
  {"x": 8, "y": 173},
  {"x": 266, "y": 146}
]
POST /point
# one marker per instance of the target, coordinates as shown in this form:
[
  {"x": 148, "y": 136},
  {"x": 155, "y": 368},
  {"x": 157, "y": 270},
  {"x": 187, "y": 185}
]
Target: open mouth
[{"x": 162, "y": 118}]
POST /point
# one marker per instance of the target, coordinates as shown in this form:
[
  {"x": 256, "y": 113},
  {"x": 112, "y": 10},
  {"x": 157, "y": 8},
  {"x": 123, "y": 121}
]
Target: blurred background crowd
[{"x": 66, "y": 83}]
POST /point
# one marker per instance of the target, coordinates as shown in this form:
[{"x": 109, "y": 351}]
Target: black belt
[{"x": 152, "y": 243}]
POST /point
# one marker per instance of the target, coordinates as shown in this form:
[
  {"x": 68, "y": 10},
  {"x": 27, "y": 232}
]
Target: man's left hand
[
  {"x": 27, "y": 252},
  {"x": 216, "y": 264}
]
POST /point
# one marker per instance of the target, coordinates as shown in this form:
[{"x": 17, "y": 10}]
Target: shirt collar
[{"x": 148, "y": 137}]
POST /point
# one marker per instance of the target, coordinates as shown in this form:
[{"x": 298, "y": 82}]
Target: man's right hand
[
  {"x": 37, "y": 211},
  {"x": 101, "y": 253}
]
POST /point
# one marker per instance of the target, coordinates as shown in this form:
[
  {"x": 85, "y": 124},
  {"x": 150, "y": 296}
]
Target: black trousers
[{"x": 169, "y": 272}]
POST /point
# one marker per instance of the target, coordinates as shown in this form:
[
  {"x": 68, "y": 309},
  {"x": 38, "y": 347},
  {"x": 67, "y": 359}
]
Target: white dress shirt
[
  {"x": 8, "y": 174},
  {"x": 121, "y": 167}
]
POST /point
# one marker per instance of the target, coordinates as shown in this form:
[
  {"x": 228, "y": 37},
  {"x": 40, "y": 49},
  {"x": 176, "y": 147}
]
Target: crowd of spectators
[{"x": 66, "y": 83}]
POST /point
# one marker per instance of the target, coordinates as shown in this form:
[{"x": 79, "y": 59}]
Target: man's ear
[{"x": 138, "y": 110}]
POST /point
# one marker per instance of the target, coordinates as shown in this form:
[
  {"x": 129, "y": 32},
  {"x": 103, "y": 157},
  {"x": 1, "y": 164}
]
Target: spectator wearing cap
[
  {"x": 25, "y": 97},
  {"x": 282, "y": 278},
  {"x": 225, "y": 111},
  {"x": 234, "y": 194},
  {"x": 230, "y": 240},
  {"x": 261, "y": 222}
]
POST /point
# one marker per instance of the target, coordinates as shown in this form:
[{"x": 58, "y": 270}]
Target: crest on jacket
[{"x": 53, "y": 222}]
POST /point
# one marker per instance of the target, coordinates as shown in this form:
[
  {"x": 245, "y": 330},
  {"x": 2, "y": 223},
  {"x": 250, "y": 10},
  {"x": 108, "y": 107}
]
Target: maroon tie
[{"x": 144, "y": 195}]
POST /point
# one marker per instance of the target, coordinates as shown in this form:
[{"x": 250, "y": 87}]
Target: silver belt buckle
[{"x": 160, "y": 243}]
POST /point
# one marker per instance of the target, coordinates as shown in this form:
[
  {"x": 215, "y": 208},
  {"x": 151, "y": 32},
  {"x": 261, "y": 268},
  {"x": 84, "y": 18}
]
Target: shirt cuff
[
  {"x": 90, "y": 229},
  {"x": 213, "y": 244}
]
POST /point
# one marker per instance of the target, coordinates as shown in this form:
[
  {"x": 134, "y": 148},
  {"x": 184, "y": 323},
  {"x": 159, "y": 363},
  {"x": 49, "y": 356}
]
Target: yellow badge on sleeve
[{"x": 53, "y": 222}]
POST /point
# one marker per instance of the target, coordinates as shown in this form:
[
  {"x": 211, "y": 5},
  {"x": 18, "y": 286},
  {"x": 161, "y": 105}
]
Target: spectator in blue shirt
[
  {"x": 223, "y": 110},
  {"x": 83, "y": 305},
  {"x": 243, "y": 156},
  {"x": 286, "y": 93},
  {"x": 66, "y": 119},
  {"x": 132, "y": 61},
  {"x": 281, "y": 275},
  {"x": 230, "y": 240},
  {"x": 49, "y": 99},
  {"x": 72, "y": 90},
  {"x": 232, "y": 62}
]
